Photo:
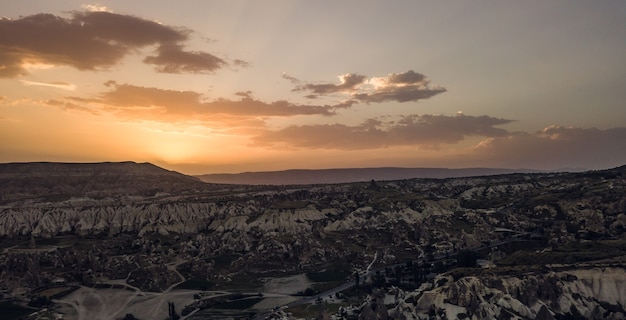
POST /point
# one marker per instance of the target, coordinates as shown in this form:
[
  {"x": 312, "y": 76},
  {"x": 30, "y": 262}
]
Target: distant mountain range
[
  {"x": 322, "y": 176},
  {"x": 38, "y": 178}
]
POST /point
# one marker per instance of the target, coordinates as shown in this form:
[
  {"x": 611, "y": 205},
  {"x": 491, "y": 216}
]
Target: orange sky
[{"x": 212, "y": 86}]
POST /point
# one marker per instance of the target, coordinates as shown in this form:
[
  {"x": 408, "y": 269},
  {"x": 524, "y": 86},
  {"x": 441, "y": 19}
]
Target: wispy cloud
[
  {"x": 67, "y": 106},
  {"x": 291, "y": 79},
  {"x": 57, "y": 85},
  {"x": 242, "y": 63},
  {"x": 97, "y": 39}
]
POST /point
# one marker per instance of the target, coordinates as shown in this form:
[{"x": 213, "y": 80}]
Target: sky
[{"x": 234, "y": 86}]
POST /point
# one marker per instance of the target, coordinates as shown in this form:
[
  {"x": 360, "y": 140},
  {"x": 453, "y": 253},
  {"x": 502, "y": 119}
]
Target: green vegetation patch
[
  {"x": 55, "y": 292},
  {"x": 10, "y": 311},
  {"x": 241, "y": 304},
  {"x": 312, "y": 310},
  {"x": 10, "y": 242},
  {"x": 328, "y": 276},
  {"x": 325, "y": 286},
  {"x": 570, "y": 253},
  {"x": 240, "y": 282},
  {"x": 48, "y": 241},
  {"x": 61, "y": 241},
  {"x": 195, "y": 284},
  {"x": 333, "y": 275},
  {"x": 459, "y": 273},
  {"x": 459, "y": 224},
  {"x": 223, "y": 261}
]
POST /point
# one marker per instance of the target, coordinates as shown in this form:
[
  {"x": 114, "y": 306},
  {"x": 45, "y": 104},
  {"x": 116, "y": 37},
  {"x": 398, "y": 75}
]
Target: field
[{"x": 111, "y": 304}]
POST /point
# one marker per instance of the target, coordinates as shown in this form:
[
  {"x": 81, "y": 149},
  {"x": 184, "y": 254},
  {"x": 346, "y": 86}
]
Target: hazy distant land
[{"x": 322, "y": 176}]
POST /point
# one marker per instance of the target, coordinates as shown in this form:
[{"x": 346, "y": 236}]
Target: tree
[
  {"x": 172, "y": 311},
  {"x": 373, "y": 185},
  {"x": 467, "y": 258},
  {"x": 379, "y": 279}
]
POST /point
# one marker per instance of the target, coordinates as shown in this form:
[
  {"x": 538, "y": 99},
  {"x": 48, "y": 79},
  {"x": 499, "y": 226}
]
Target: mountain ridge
[
  {"x": 347, "y": 175},
  {"x": 21, "y": 180}
]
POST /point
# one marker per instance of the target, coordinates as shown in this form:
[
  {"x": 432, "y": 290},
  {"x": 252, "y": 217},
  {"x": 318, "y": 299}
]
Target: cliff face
[{"x": 596, "y": 293}]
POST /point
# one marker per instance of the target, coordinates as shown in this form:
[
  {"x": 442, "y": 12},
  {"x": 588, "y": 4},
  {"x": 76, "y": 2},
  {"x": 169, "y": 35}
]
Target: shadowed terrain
[{"x": 143, "y": 229}]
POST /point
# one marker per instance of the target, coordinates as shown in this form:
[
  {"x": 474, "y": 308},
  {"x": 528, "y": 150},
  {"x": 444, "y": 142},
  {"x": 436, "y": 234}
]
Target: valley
[{"x": 132, "y": 240}]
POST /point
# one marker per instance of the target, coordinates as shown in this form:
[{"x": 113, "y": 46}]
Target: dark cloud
[
  {"x": 291, "y": 79},
  {"x": 247, "y": 94},
  {"x": 96, "y": 40},
  {"x": 399, "y": 87},
  {"x": 348, "y": 83},
  {"x": 398, "y": 94},
  {"x": 556, "y": 147},
  {"x": 160, "y": 104},
  {"x": 125, "y": 29},
  {"x": 419, "y": 130},
  {"x": 10, "y": 63},
  {"x": 241, "y": 63},
  {"x": 409, "y": 77},
  {"x": 171, "y": 58}
]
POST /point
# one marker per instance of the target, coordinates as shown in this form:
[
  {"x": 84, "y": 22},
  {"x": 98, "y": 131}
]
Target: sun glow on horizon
[{"x": 255, "y": 86}]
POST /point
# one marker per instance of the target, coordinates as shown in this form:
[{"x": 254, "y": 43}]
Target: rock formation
[{"x": 578, "y": 294}]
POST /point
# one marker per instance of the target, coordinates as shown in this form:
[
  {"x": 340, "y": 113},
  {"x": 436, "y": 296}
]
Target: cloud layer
[
  {"x": 400, "y": 87},
  {"x": 148, "y": 103},
  {"x": 96, "y": 40},
  {"x": 420, "y": 130},
  {"x": 556, "y": 147}
]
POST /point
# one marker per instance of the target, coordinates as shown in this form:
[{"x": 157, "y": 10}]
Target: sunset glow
[{"x": 216, "y": 86}]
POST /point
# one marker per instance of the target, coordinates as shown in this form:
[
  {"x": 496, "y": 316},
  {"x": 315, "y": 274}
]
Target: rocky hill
[{"x": 63, "y": 180}]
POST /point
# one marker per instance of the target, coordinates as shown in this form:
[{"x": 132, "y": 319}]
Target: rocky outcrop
[
  {"x": 136, "y": 222},
  {"x": 596, "y": 293},
  {"x": 294, "y": 227},
  {"x": 48, "y": 222},
  {"x": 47, "y": 199},
  {"x": 405, "y": 215}
]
